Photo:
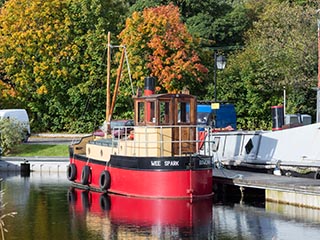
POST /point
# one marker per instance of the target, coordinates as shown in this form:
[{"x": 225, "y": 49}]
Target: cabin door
[{"x": 184, "y": 132}]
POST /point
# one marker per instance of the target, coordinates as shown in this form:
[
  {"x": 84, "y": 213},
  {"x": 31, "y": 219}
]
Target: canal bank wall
[
  {"x": 303, "y": 192},
  {"x": 34, "y": 164},
  {"x": 41, "y": 164}
]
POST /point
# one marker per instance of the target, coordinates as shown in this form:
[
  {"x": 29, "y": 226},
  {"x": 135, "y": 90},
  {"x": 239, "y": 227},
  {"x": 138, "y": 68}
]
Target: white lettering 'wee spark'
[{"x": 156, "y": 163}]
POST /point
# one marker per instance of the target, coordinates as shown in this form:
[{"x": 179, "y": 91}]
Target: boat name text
[{"x": 166, "y": 163}]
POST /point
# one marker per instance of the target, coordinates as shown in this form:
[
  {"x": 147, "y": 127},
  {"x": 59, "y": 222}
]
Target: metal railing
[{"x": 148, "y": 138}]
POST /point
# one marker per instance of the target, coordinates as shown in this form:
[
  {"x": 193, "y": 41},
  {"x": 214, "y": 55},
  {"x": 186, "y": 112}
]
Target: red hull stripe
[
  {"x": 190, "y": 179},
  {"x": 153, "y": 163}
]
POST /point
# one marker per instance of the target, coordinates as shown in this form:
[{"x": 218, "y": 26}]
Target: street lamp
[
  {"x": 318, "y": 87},
  {"x": 219, "y": 63}
]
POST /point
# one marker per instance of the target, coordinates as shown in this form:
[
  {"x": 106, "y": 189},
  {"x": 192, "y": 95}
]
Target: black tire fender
[
  {"x": 85, "y": 175},
  {"x": 104, "y": 180},
  {"x": 72, "y": 172}
]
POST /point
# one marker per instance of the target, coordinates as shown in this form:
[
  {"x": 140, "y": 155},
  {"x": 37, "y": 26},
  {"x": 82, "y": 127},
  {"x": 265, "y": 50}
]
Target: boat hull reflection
[{"x": 143, "y": 212}]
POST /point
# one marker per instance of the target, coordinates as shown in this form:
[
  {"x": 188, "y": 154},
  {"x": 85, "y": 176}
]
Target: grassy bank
[{"x": 39, "y": 150}]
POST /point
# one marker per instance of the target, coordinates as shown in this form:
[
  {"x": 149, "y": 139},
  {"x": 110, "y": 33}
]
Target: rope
[
  {"x": 129, "y": 72},
  {"x": 219, "y": 165},
  {"x": 127, "y": 62}
]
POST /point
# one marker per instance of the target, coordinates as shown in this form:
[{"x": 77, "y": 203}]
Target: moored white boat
[{"x": 294, "y": 151}]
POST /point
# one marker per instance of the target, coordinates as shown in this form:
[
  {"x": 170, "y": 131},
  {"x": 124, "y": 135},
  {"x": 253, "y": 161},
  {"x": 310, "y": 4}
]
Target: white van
[{"x": 20, "y": 115}]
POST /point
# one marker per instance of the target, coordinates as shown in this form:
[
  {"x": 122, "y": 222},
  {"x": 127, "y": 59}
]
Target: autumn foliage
[
  {"x": 159, "y": 45},
  {"x": 52, "y": 59},
  {"x": 53, "y": 56}
]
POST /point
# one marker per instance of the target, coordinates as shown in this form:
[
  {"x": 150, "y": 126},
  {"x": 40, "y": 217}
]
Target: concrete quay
[
  {"x": 282, "y": 189},
  {"x": 41, "y": 164},
  {"x": 36, "y": 164}
]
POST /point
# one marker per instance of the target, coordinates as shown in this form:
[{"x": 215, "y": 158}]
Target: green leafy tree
[
  {"x": 281, "y": 52},
  {"x": 53, "y": 56},
  {"x": 217, "y": 22},
  {"x": 2, "y": 2},
  {"x": 159, "y": 45}
]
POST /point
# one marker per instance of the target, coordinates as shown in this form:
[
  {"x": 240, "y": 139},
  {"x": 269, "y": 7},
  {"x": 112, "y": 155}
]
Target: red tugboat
[{"x": 158, "y": 159}]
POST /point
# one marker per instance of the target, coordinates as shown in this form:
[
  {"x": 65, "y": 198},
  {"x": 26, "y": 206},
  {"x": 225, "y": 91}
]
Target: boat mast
[
  {"x": 109, "y": 109},
  {"x": 108, "y": 83},
  {"x": 115, "y": 93}
]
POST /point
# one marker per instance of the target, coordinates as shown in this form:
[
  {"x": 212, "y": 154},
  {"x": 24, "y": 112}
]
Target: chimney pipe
[{"x": 149, "y": 86}]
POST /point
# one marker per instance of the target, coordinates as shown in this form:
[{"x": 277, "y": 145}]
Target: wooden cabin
[{"x": 169, "y": 120}]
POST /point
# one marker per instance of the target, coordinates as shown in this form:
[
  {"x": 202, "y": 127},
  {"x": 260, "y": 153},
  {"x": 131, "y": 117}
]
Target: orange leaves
[
  {"x": 159, "y": 44},
  {"x": 6, "y": 90}
]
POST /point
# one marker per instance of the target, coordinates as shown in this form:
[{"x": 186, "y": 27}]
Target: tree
[
  {"x": 159, "y": 45},
  {"x": 217, "y": 22},
  {"x": 281, "y": 51},
  {"x": 2, "y": 2},
  {"x": 53, "y": 54}
]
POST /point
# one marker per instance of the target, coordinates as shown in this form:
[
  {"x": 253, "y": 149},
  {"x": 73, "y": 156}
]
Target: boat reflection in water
[{"x": 128, "y": 216}]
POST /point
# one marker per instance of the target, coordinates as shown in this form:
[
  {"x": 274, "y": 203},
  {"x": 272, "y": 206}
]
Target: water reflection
[
  {"x": 302, "y": 214},
  {"x": 242, "y": 221},
  {"x": 129, "y": 217},
  {"x": 49, "y": 209}
]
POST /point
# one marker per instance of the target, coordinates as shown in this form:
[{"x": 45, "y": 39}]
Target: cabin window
[
  {"x": 164, "y": 112},
  {"x": 150, "y": 111},
  {"x": 183, "y": 112},
  {"x": 140, "y": 112}
]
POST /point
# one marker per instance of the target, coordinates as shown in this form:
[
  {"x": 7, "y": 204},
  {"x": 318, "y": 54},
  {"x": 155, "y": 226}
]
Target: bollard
[{"x": 25, "y": 169}]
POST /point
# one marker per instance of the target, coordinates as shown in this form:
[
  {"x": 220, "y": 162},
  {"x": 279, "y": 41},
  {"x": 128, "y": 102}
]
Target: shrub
[{"x": 12, "y": 132}]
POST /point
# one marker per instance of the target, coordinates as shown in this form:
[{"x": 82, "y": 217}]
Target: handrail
[{"x": 161, "y": 139}]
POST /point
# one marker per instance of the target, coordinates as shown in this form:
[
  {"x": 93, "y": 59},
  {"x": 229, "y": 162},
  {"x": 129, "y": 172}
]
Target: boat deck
[
  {"x": 284, "y": 189},
  {"x": 106, "y": 142}
]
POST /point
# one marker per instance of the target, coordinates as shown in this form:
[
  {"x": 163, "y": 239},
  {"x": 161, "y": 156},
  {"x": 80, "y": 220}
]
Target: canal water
[{"x": 49, "y": 208}]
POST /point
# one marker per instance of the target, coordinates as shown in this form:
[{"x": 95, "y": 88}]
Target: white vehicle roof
[{"x": 18, "y": 114}]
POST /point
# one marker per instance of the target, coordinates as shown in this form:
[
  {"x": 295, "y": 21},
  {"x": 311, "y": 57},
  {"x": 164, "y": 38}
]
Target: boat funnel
[{"x": 149, "y": 86}]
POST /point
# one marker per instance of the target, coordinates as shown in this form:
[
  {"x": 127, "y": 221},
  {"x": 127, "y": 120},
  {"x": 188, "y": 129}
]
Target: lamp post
[
  {"x": 318, "y": 87},
  {"x": 219, "y": 63}
]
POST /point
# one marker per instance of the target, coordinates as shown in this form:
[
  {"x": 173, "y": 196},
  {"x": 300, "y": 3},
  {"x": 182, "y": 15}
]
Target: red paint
[
  {"x": 155, "y": 184},
  {"x": 201, "y": 136},
  {"x": 160, "y": 211},
  {"x": 143, "y": 211},
  {"x": 148, "y": 92}
]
